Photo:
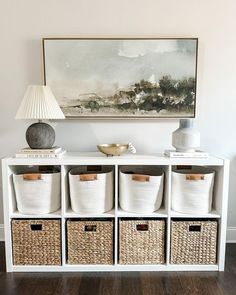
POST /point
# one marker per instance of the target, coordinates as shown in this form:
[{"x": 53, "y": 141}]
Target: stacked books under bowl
[{"x": 54, "y": 152}]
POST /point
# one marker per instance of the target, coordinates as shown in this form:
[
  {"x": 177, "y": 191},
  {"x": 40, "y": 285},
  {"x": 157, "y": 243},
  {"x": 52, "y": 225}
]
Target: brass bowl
[{"x": 113, "y": 149}]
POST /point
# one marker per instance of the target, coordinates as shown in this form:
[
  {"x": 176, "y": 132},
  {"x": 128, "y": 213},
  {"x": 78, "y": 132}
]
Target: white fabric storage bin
[
  {"x": 141, "y": 189},
  {"x": 192, "y": 190},
  {"x": 91, "y": 191},
  {"x": 37, "y": 193}
]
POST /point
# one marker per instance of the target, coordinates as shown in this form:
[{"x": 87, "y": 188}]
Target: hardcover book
[
  {"x": 53, "y": 150},
  {"x": 175, "y": 154},
  {"x": 40, "y": 155}
]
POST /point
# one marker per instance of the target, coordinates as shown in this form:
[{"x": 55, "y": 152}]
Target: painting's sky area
[{"x": 76, "y": 67}]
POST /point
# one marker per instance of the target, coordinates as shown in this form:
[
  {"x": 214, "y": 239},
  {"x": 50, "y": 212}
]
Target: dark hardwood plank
[
  {"x": 2, "y": 257},
  {"x": 125, "y": 283}
]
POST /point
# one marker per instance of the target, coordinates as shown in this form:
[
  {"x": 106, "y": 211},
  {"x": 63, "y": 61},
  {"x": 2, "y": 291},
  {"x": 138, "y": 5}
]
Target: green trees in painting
[
  {"x": 169, "y": 95},
  {"x": 93, "y": 105}
]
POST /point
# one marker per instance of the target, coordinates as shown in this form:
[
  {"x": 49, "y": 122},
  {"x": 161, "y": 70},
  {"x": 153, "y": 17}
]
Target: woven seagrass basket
[
  {"x": 90, "y": 242},
  {"x": 142, "y": 242},
  {"x": 36, "y": 242},
  {"x": 193, "y": 242}
]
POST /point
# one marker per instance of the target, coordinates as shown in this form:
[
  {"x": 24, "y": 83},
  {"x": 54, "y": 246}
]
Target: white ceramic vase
[{"x": 186, "y": 138}]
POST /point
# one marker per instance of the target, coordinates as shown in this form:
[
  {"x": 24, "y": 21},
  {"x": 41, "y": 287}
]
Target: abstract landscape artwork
[{"x": 122, "y": 78}]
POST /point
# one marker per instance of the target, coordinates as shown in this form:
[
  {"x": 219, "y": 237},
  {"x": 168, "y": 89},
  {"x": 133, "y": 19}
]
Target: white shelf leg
[
  {"x": 223, "y": 221},
  {"x": 6, "y": 174}
]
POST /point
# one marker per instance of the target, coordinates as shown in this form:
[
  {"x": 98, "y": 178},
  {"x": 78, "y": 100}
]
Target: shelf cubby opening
[
  {"x": 149, "y": 170},
  {"x": 25, "y": 170},
  {"x": 154, "y": 236},
  {"x": 216, "y": 207},
  {"x": 90, "y": 241}
]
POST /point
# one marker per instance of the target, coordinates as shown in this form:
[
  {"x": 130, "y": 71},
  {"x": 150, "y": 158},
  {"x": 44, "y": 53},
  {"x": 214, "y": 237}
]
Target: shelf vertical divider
[
  {"x": 168, "y": 230},
  {"x": 116, "y": 233},
  {"x": 63, "y": 225}
]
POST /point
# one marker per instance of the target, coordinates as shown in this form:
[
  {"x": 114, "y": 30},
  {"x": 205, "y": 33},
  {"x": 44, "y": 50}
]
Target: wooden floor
[{"x": 133, "y": 283}]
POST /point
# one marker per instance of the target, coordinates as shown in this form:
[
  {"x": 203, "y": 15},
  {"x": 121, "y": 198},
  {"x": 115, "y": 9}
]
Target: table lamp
[{"x": 39, "y": 104}]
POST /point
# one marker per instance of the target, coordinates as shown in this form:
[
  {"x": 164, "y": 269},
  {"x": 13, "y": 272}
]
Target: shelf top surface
[{"x": 74, "y": 158}]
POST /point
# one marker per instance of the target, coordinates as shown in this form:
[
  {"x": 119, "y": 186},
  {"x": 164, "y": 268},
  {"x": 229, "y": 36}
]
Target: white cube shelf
[{"x": 70, "y": 160}]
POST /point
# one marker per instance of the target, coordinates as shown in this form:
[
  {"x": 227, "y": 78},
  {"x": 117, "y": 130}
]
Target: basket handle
[
  {"x": 88, "y": 177},
  {"x": 140, "y": 177},
  {"x": 37, "y": 227},
  {"x": 142, "y": 227},
  {"x": 32, "y": 176},
  {"x": 195, "y": 177},
  {"x": 90, "y": 228},
  {"x": 195, "y": 228}
]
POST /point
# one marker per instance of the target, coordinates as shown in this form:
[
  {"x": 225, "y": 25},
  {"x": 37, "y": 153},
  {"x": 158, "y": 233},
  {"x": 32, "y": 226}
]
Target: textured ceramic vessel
[
  {"x": 40, "y": 136},
  {"x": 186, "y": 138}
]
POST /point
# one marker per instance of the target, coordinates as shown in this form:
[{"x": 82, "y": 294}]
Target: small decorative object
[
  {"x": 122, "y": 78},
  {"x": 116, "y": 149},
  {"x": 39, "y": 103},
  {"x": 186, "y": 138}
]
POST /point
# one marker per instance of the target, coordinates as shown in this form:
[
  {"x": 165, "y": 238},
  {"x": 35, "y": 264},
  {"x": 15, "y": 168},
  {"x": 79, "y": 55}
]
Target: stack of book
[
  {"x": 54, "y": 152},
  {"x": 196, "y": 154}
]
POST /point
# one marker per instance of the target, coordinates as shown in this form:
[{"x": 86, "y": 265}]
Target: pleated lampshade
[{"x": 39, "y": 103}]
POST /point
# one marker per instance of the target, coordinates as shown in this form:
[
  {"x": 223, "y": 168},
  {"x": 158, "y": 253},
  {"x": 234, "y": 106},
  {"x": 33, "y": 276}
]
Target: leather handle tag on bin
[
  {"x": 88, "y": 177},
  {"x": 140, "y": 177},
  {"x": 194, "y": 177},
  {"x": 142, "y": 227},
  {"x": 32, "y": 176}
]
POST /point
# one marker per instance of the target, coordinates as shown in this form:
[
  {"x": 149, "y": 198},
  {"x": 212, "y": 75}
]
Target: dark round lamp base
[{"x": 40, "y": 136}]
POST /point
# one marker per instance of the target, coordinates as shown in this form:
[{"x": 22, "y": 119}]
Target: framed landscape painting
[{"x": 122, "y": 78}]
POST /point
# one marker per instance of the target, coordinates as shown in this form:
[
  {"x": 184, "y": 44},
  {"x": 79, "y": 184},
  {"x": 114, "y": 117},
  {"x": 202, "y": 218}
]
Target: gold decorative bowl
[{"x": 113, "y": 149}]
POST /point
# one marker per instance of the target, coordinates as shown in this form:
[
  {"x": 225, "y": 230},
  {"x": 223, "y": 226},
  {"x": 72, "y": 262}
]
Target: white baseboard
[{"x": 231, "y": 234}]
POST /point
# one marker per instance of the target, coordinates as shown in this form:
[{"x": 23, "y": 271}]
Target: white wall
[{"x": 23, "y": 24}]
